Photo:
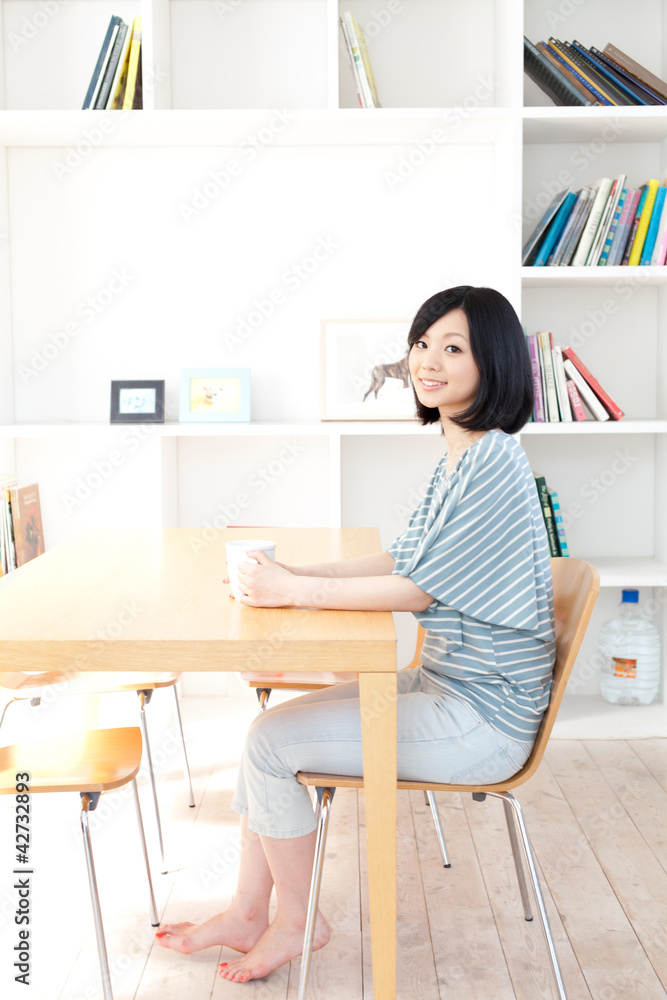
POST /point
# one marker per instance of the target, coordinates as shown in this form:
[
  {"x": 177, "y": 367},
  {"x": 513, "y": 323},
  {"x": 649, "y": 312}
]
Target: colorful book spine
[
  {"x": 603, "y": 187},
  {"x": 642, "y": 229},
  {"x": 133, "y": 65},
  {"x": 546, "y": 359},
  {"x": 561, "y": 388},
  {"x": 558, "y": 521},
  {"x": 614, "y": 410},
  {"x": 635, "y": 224},
  {"x": 585, "y": 391},
  {"x": 366, "y": 93},
  {"x": 548, "y": 514},
  {"x": 606, "y": 250},
  {"x": 538, "y": 405},
  {"x": 568, "y": 229},
  {"x": 653, "y": 227},
  {"x": 580, "y": 223},
  {"x": 605, "y": 221},
  {"x": 578, "y": 411},
  {"x": 655, "y": 257},
  {"x": 555, "y": 230},
  {"x": 624, "y": 225}
]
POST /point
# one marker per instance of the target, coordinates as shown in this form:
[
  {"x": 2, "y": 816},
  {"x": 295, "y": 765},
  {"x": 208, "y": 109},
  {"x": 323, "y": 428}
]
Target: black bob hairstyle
[{"x": 505, "y": 395}]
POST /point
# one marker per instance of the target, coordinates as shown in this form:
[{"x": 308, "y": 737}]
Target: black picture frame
[{"x": 127, "y": 411}]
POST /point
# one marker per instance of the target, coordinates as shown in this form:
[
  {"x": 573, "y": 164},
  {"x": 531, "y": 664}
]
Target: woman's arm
[
  {"x": 267, "y": 584},
  {"x": 377, "y": 564}
]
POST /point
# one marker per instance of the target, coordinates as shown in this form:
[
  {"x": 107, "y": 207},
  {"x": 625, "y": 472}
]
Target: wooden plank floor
[{"x": 596, "y": 812}]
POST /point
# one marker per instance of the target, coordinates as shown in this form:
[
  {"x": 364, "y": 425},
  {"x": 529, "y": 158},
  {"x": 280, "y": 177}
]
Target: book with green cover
[{"x": 548, "y": 514}]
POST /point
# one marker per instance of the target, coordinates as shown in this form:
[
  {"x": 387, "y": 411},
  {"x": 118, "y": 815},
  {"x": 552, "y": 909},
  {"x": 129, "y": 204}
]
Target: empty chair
[
  {"x": 22, "y": 686},
  {"x": 90, "y": 763}
]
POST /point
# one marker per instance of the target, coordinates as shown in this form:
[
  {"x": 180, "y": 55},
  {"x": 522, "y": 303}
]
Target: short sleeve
[{"x": 481, "y": 555}]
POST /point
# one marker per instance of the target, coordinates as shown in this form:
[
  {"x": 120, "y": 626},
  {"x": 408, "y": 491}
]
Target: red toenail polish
[{"x": 222, "y": 965}]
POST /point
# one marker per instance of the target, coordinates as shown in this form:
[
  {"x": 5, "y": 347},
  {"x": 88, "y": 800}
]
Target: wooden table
[{"x": 138, "y": 600}]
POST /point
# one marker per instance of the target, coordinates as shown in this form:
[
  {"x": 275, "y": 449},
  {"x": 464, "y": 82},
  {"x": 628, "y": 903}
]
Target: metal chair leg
[
  {"x": 191, "y": 800},
  {"x": 325, "y": 798},
  {"x": 89, "y": 802},
  {"x": 518, "y": 813},
  {"x": 155, "y": 920},
  {"x": 144, "y": 735},
  {"x": 263, "y": 695},
  {"x": 430, "y": 799},
  {"x": 518, "y": 864}
]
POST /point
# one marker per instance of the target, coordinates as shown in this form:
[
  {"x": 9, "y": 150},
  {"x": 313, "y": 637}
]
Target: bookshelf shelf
[
  {"x": 474, "y": 158},
  {"x": 546, "y": 277}
]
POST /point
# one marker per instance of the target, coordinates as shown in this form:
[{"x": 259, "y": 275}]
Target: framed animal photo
[
  {"x": 365, "y": 370},
  {"x": 137, "y": 402},
  {"x": 215, "y": 394}
]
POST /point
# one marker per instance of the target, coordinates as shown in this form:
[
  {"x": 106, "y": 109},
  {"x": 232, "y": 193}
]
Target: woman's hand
[{"x": 266, "y": 584}]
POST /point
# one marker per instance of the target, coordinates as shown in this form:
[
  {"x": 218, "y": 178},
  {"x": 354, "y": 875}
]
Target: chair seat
[
  {"x": 295, "y": 679},
  {"x": 87, "y": 682},
  {"x": 92, "y": 761},
  {"x": 315, "y": 780}
]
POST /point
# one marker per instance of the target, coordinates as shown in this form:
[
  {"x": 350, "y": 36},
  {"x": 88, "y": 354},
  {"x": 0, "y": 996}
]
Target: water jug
[{"x": 631, "y": 646}]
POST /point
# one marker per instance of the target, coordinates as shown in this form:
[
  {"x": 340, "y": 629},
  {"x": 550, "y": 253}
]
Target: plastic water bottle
[{"x": 631, "y": 672}]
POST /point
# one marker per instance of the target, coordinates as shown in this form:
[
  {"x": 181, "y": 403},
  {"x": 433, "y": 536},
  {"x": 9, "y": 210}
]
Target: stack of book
[
  {"x": 116, "y": 81},
  {"x": 553, "y": 519},
  {"x": 355, "y": 43},
  {"x": 562, "y": 383},
  {"x": 21, "y": 533},
  {"x": 600, "y": 226},
  {"x": 571, "y": 74}
]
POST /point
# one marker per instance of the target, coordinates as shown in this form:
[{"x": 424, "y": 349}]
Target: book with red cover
[
  {"x": 612, "y": 408},
  {"x": 27, "y": 522}
]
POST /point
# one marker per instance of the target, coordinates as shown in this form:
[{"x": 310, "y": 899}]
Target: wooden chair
[
  {"x": 32, "y": 686},
  {"x": 90, "y": 763},
  {"x": 265, "y": 683},
  {"x": 576, "y": 584}
]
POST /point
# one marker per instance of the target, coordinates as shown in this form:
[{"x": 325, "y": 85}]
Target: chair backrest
[{"x": 576, "y": 584}]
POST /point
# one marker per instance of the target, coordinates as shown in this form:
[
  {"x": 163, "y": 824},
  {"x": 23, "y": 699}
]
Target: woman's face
[{"x": 443, "y": 370}]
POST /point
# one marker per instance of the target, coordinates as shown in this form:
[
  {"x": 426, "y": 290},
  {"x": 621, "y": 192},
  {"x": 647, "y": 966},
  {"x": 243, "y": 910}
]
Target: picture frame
[
  {"x": 213, "y": 395},
  {"x": 137, "y": 401},
  {"x": 364, "y": 370}
]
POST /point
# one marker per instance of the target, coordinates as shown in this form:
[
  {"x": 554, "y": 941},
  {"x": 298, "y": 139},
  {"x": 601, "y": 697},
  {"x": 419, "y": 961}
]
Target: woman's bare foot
[
  {"x": 280, "y": 942},
  {"x": 236, "y": 929}
]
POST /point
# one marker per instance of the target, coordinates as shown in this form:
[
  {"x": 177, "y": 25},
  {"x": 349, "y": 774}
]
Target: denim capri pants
[{"x": 440, "y": 739}]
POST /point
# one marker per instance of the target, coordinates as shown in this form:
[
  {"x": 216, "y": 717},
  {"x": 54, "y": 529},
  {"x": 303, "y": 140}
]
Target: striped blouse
[{"x": 477, "y": 544}]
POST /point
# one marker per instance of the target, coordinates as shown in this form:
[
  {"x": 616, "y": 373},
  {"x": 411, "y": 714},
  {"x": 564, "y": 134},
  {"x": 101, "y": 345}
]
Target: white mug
[{"x": 237, "y": 552}]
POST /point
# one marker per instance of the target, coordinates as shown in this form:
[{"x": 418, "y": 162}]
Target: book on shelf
[
  {"x": 564, "y": 90},
  {"x": 355, "y": 44},
  {"x": 531, "y": 247},
  {"x": 604, "y": 226},
  {"x": 548, "y": 515},
  {"x": 602, "y": 189},
  {"x": 27, "y": 523},
  {"x": 117, "y": 71},
  {"x": 21, "y": 532},
  {"x": 586, "y": 394},
  {"x": 642, "y": 228},
  {"x": 133, "y": 66},
  {"x": 571, "y": 73},
  {"x": 610, "y": 224},
  {"x": 552, "y": 367},
  {"x": 614, "y": 410},
  {"x": 578, "y": 412},
  {"x": 558, "y": 522},
  {"x": 555, "y": 229}
]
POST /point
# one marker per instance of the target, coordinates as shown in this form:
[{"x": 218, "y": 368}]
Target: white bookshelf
[{"x": 477, "y": 143}]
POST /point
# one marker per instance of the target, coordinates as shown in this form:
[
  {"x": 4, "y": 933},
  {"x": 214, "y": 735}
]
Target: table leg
[{"x": 378, "y": 729}]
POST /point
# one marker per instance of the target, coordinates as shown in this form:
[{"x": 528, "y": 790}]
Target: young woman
[{"x": 473, "y": 566}]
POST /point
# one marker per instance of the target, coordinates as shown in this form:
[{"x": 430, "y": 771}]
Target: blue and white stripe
[{"x": 477, "y": 544}]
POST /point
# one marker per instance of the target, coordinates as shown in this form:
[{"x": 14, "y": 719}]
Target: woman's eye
[{"x": 454, "y": 348}]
